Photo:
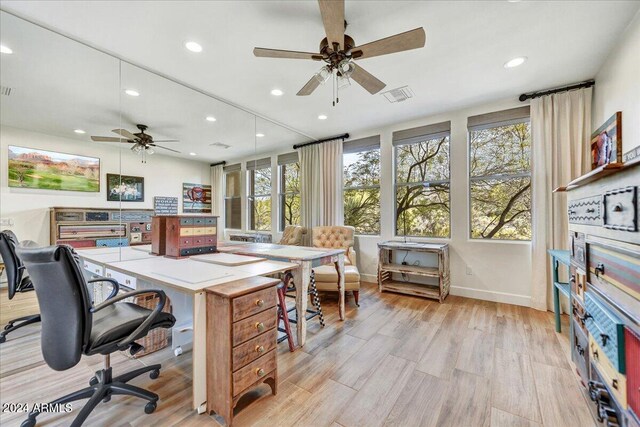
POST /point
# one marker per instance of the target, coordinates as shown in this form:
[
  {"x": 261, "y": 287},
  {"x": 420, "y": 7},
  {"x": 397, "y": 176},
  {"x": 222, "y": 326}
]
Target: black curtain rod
[
  {"x": 219, "y": 163},
  {"x": 320, "y": 141},
  {"x": 532, "y": 95}
]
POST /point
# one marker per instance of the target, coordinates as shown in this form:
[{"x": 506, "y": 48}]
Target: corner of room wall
[{"x": 618, "y": 86}]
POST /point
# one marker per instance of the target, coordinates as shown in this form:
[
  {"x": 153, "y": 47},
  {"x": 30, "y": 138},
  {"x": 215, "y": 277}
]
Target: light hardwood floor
[{"x": 396, "y": 361}]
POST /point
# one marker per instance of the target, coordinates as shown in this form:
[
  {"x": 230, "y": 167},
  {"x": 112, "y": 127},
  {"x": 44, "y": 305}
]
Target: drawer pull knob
[
  {"x": 591, "y": 210},
  {"x": 260, "y": 349},
  {"x": 617, "y": 207},
  {"x": 604, "y": 338},
  {"x": 260, "y": 302},
  {"x": 260, "y": 372},
  {"x": 573, "y": 278},
  {"x": 595, "y": 355},
  {"x": 599, "y": 269},
  {"x": 260, "y": 326},
  {"x": 614, "y": 383}
]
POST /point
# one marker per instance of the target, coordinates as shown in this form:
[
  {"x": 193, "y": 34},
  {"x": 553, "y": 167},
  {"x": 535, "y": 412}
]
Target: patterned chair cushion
[{"x": 293, "y": 235}]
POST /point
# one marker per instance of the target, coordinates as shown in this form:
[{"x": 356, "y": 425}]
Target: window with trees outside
[
  {"x": 232, "y": 197},
  {"x": 422, "y": 181},
  {"x": 259, "y": 194},
  {"x": 361, "y": 184},
  {"x": 289, "y": 189},
  {"x": 500, "y": 175}
]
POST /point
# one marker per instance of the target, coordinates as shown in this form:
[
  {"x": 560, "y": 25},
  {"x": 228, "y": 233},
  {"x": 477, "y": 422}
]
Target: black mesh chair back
[{"x": 64, "y": 303}]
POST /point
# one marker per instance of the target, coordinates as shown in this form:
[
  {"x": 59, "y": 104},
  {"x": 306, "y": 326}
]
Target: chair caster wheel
[
  {"x": 28, "y": 423},
  {"x": 8, "y": 326},
  {"x": 154, "y": 374},
  {"x": 150, "y": 407},
  {"x": 106, "y": 399},
  {"x": 93, "y": 381},
  {"x": 2, "y": 339}
]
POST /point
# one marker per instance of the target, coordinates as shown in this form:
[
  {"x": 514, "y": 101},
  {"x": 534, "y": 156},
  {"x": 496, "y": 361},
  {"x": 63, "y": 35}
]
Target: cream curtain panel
[
  {"x": 217, "y": 192},
  {"x": 321, "y": 184},
  {"x": 560, "y": 127}
]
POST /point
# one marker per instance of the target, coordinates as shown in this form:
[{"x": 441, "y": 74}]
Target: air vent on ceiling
[
  {"x": 219, "y": 144},
  {"x": 399, "y": 94},
  {"x": 4, "y": 90}
]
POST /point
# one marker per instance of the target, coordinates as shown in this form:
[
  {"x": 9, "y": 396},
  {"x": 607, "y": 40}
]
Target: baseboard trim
[
  {"x": 369, "y": 278},
  {"x": 483, "y": 294}
]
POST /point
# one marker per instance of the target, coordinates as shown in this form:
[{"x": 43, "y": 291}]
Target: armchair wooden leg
[{"x": 356, "y": 296}]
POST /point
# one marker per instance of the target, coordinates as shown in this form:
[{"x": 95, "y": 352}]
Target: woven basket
[{"x": 157, "y": 338}]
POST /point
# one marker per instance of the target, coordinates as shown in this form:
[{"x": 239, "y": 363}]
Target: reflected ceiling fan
[
  {"x": 143, "y": 143},
  {"x": 339, "y": 51}
]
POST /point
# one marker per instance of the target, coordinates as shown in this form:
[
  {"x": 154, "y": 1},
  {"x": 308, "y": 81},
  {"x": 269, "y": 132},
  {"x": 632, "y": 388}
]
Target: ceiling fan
[
  {"x": 143, "y": 143},
  {"x": 338, "y": 50}
]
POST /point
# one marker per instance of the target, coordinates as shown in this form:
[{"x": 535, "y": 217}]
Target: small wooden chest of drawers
[
  {"x": 180, "y": 236},
  {"x": 241, "y": 341}
]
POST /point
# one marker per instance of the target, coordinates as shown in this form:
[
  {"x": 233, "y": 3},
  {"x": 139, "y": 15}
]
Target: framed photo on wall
[
  {"x": 606, "y": 142},
  {"x": 196, "y": 198},
  {"x": 49, "y": 170},
  {"x": 125, "y": 188}
]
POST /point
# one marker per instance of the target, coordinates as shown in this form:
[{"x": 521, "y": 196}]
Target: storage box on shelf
[
  {"x": 603, "y": 211},
  {"x": 90, "y": 227},
  {"x": 241, "y": 341},
  {"x": 182, "y": 235}
]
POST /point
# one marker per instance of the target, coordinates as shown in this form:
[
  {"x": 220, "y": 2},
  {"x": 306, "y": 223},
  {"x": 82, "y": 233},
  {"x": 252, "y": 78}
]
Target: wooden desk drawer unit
[
  {"x": 241, "y": 341},
  {"x": 607, "y": 330},
  {"x": 186, "y": 235}
]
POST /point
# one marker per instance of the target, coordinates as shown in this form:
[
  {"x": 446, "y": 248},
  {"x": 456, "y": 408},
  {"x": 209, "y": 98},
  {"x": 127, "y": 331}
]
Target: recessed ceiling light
[
  {"x": 322, "y": 117},
  {"x": 192, "y": 154},
  {"x": 80, "y": 131},
  {"x": 277, "y": 92},
  {"x": 5, "y": 49},
  {"x": 259, "y": 135},
  {"x": 210, "y": 119},
  {"x": 132, "y": 92},
  {"x": 193, "y": 47},
  {"x": 515, "y": 62}
]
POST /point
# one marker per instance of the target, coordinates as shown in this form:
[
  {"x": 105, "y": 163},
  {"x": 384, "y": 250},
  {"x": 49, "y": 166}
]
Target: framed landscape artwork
[
  {"x": 49, "y": 170},
  {"x": 125, "y": 188},
  {"x": 196, "y": 198},
  {"x": 606, "y": 142}
]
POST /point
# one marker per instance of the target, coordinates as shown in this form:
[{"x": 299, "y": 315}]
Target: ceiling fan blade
[
  {"x": 367, "y": 80},
  {"x": 332, "y": 12},
  {"x": 165, "y": 148},
  {"x": 308, "y": 89},
  {"x": 125, "y": 133},
  {"x": 413, "y": 39},
  {"x": 288, "y": 54},
  {"x": 166, "y": 140},
  {"x": 108, "y": 139}
]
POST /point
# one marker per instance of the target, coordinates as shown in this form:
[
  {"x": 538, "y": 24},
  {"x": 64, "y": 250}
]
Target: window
[
  {"x": 361, "y": 184},
  {"x": 232, "y": 197},
  {"x": 500, "y": 175},
  {"x": 422, "y": 181},
  {"x": 259, "y": 194},
  {"x": 289, "y": 193}
]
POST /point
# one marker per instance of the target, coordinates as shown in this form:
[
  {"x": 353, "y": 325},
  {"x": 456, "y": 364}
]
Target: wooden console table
[{"x": 387, "y": 266}]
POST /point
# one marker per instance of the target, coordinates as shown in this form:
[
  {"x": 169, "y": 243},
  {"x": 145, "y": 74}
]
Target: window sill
[{"x": 508, "y": 242}]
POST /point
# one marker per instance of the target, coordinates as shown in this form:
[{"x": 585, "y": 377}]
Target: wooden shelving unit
[{"x": 386, "y": 268}]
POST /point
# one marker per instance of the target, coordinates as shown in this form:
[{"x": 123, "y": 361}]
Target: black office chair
[
  {"x": 17, "y": 280},
  {"x": 71, "y": 327}
]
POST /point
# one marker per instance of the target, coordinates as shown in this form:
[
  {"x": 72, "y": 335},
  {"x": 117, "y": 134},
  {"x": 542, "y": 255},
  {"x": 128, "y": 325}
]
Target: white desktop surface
[
  {"x": 231, "y": 260},
  {"x": 105, "y": 256}
]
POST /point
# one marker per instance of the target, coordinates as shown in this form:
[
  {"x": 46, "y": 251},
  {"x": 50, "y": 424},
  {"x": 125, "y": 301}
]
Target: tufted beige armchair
[
  {"x": 326, "y": 275},
  {"x": 293, "y": 235}
]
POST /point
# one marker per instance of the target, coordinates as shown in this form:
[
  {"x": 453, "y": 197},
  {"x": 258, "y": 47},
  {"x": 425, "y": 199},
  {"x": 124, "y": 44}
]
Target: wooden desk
[
  {"x": 185, "y": 281},
  {"x": 305, "y": 258}
]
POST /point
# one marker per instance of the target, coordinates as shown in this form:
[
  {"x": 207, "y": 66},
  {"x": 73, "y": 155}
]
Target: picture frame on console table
[
  {"x": 124, "y": 188},
  {"x": 606, "y": 142}
]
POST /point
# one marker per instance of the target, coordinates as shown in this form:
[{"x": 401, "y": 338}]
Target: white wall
[
  {"x": 618, "y": 86},
  {"x": 29, "y": 208},
  {"x": 501, "y": 271}
]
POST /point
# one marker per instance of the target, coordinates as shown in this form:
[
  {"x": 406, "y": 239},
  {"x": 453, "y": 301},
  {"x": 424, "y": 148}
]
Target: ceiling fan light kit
[
  {"x": 143, "y": 143},
  {"x": 339, "y": 51}
]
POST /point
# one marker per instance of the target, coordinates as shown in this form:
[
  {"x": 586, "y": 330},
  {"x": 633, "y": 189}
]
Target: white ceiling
[{"x": 461, "y": 65}]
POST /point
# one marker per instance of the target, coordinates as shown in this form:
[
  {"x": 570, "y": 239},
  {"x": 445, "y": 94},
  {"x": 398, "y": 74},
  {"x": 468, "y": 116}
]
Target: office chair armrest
[
  {"x": 115, "y": 286},
  {"x": 123, "y": 344}
]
